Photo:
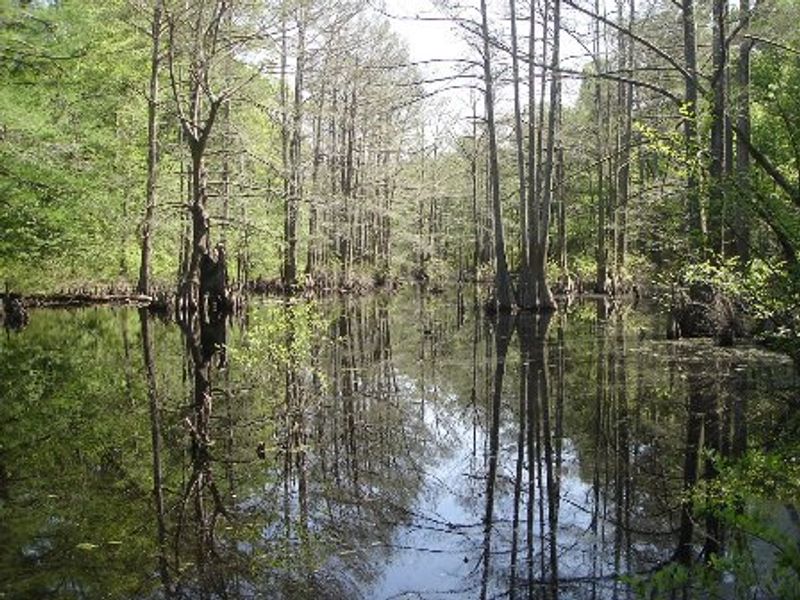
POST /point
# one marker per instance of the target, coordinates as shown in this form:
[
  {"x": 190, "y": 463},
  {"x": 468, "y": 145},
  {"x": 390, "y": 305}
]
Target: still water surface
[{"x": 385, "y": 447}]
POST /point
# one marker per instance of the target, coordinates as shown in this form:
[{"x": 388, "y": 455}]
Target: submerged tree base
[{"x": 15, "y": 315}]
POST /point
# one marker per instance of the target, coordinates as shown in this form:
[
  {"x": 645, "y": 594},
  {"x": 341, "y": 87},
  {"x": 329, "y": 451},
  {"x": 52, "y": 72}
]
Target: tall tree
[
  {"x": 544, "y": 294},
  {"x": 716, "y": 171},
  {"x": 502, "y": 279},
  {"x": 625, "y": 112},
  {"x": 525, "y": 299},
  {"x": 287, "y": 258},
  {"x": 601, "y": 285},
  {"x": 695, "y": 218},
  {"x": 295, "y": 187},
  {"x": 143, "y": 285},
  {"x": 741, "y": 224},
  {"x": 196, "y": 33},
  {"x": 527, "y": 283}
]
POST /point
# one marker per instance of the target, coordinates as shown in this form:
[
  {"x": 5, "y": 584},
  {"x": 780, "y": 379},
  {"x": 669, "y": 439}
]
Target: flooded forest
[{"x": 421, "y": 300}]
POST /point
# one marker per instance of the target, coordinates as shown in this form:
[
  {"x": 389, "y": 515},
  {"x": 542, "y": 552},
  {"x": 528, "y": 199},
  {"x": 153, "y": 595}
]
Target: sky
[
  {"x": 427, "y": 39},
  {"x": 431, "y": 39}
]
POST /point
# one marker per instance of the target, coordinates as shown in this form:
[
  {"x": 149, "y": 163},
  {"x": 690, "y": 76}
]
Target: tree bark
[
  {"x": 200, "y": 246},
  {"x": 197, "y": 124},
  {"x": 741, "y": 222},
  {"x": 143, "y": 286},
  {"x": 560, "y": 198},
  {"x": 717, "y": 144},
  {"x": 312, "y": 256},
  {"x": 502, "y": 283},
  {"x": 625, "y": 108},
  {"x": 476, "y": 220},
  {"x": 295, "y": 189},
  {"x": 601, "y": 252},
  {"x": 695, "y": 219},
  {"x": 525, "y": 298},
  {"x": 545, "y": 296}
]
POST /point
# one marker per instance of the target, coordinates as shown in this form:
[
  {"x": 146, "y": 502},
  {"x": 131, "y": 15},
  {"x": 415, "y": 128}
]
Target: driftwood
[
  {"x": 322, "y": 284},
  {"x": 80, "y": 299}
]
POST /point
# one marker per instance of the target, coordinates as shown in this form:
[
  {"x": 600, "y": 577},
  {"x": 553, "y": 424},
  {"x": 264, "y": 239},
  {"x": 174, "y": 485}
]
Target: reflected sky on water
[{"x": 381, "y": 447}]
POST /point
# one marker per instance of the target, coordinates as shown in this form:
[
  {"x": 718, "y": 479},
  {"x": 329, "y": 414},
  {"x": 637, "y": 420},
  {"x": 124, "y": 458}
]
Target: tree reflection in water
[
  {"x": 154, "y": 404},
  {"x": 201, "y": 503},
  {"x": 374, "y": 448}
]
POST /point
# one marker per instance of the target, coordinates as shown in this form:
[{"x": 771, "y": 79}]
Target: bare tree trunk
[
  {"x": 695, "y": 218},
  {"x": 295, "y": 175},
  {"x": 312, "y": 256},
  {"x": 332, "y": 241},
  {"x": 206, "y": 273},
  {"x": 601, "y": 253},
  {"x": 421, "y": 252},
  {"x": 200, "y": 246},
  {"x": 226, "y": 173},
  {"x": 560, "y": 199},
  {"x": 545, "y": 296},
  {"x": 502, "y": 285},
  {"x": 526, "y": 276},
  {"x": 348, "y": 181},
  {"x": 284, "y": 100},
  {"x": 717, "y": 147},
  {"x": 226, "y": 150},
  {"x": 540, "y": 129},
  {"x": 186, "y": 194},
  {"x": 143, "y": 286},
  {"x": 625, "y": 108},
  {"x": 525, "y": 298},
  {"x": 476, "y": 221},
  {"x": 488, "y": 228},
  {"x": 741, "y": 221},
  {"x": 612, "y": 148}
]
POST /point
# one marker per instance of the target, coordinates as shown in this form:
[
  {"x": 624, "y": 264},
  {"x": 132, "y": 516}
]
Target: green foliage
[
  {"x": 72, "y": 159},
  {"x": 73, "y": 150},
  {"x": 583, "y": 267},
  {"x": 762, "y": 290},
  {"x": 751, "y": 497},
  {"x": 767, "y": 296},
  {"x": 71, "y": 119},
  {"x": 748, "y": 497},
  {"x": 71, "y": 408},
  {"x": 283, "y": 335}
]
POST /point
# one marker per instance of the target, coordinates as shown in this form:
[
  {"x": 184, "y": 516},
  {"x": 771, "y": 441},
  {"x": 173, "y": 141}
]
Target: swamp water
[{"x": 384, "y": 447}]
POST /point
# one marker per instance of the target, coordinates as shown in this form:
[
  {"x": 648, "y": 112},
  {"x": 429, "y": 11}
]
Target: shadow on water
[{"x": 402, "y": 447}]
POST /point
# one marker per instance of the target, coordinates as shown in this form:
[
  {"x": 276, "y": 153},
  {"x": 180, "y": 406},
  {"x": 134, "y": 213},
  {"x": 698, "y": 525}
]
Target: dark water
[{"x": 397, "y": 447}]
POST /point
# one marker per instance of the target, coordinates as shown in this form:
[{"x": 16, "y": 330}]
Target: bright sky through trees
[{"x": 441, "y": 46}]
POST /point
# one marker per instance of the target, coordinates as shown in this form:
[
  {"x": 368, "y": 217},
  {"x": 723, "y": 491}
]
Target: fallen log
[{"x": 82, "y": 299}]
